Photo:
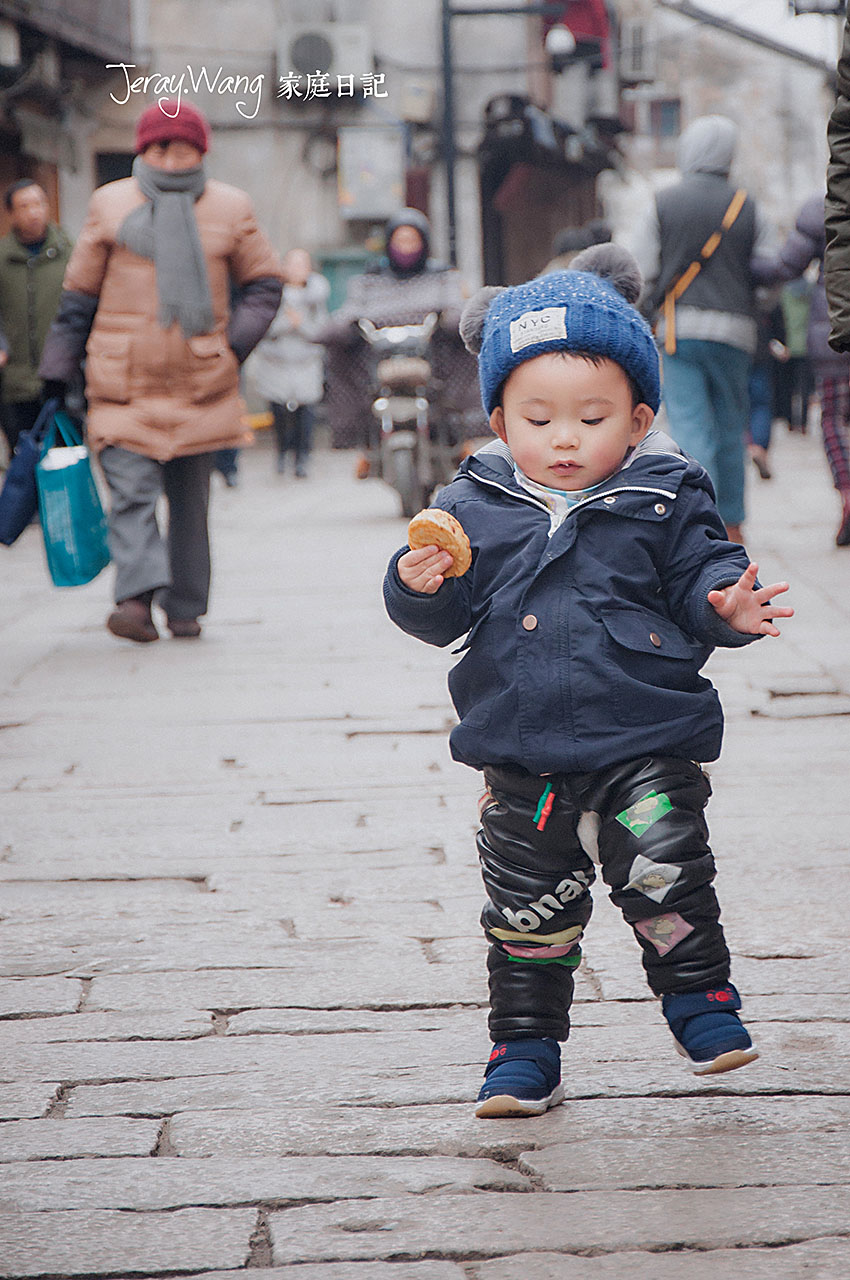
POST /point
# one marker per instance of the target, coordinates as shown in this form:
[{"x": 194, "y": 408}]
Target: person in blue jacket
[{"x": 601, "y": 579}]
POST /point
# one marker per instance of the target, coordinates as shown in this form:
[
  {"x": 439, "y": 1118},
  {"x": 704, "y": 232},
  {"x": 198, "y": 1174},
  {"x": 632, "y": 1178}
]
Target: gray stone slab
[
  {"x": 599, "y": 1061},
  {"x": 25, "y": 1101},
  {"x": 420, "y": 1066},
  {"x": 218, "y": 1055},
  {"x": 808, "y": 1008},
  {"x": 213, "y": 1182},
  {"x": 201, "y": 752},
  {"x": 241, "y": 830},
  {"x": 100, "y": 1242},
  {"x": 96, "y": 945},
  {"x": 806, "y": 706},
  {"x": 454, "y": 1130},
  {"x": 345, "y": 1271},
  {"x": 609, "y": 1164},
  {"x": 458, "y": 1023},
  {"x": 105, "y": 896},
  {"x": 336, "y": 981},
  {"x": 585, "y": 1220},
  {"x": 106, "y": 1027},
  {"x": 461, "y": 1025},
  {"x": 278, "y": 1092},
  {"x": 22, "y": 996},
  {"x": 61, "y": 1138},
  {"x": 466, "y": 1024},
  {"x": 619, "y": 976},
  {"x": 818, "y": 1260}
]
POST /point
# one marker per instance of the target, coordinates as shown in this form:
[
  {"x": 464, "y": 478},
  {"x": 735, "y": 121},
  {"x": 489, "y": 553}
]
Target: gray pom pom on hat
[
  {"x": 614, "y": 263},
  {"x": 472, "y": 317}
]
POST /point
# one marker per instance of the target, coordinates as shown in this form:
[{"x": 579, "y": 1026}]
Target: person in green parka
[{"x": 33, "y": 257}]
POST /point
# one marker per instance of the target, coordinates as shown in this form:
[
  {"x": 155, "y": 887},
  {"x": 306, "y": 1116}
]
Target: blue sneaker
[
  {"x": 523, "y": 1078},
  {"x": 708, "y": 1031}
]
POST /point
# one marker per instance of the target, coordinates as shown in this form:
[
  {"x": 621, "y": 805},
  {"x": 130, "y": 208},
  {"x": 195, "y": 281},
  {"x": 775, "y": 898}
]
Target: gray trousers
[{"x": 175, "y": 566}]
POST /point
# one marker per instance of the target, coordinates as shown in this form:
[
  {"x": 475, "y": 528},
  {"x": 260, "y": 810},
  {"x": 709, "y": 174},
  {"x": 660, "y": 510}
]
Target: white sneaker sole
[
  {"x": 729, "y": 1061},
  {"x": 502, "y": 1104}
]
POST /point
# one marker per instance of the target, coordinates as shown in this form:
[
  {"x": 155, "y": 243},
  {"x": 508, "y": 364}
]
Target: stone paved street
[{"x": 242, "y": 986}]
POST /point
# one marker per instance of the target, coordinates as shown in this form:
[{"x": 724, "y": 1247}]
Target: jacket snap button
[
  {"x": 529, "y": 622},
  {"x": 660, "y": 508},
  {"x": 609, "y": 499},
  {"x": 655, "y": 639}
]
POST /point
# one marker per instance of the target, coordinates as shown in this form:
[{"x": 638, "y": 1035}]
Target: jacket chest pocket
[
  {"x": 108, "y": 367},
  {"x": 653, "y": 667},
  {"x": 213, "y": 368}
]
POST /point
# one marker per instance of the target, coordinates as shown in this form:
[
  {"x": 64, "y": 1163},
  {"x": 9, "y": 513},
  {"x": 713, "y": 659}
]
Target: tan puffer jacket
[{"x": 150, "y": 389}]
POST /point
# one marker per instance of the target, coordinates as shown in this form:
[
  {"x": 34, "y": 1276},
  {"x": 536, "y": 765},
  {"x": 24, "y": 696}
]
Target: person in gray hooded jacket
[{"x": 694, "y": 249}]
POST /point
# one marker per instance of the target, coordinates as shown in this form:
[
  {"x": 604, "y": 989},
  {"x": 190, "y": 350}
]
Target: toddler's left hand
[{"x": 750, "y": 611}]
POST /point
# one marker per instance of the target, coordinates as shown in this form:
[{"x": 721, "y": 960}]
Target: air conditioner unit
[
  {"x": 330, "y": 48},
  {"x": 637, "y": 51}
]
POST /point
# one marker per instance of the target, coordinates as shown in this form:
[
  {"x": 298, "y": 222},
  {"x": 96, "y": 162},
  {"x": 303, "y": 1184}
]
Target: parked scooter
[{"x": 410, "y": 444}]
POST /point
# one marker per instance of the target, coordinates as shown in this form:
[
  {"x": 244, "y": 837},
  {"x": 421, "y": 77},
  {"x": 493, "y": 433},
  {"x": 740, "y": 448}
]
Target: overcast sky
[{"x": 813, "y": 33}]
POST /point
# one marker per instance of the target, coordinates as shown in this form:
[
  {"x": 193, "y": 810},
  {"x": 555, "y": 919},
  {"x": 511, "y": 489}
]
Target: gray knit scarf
[{"x": 164, "y": 229}]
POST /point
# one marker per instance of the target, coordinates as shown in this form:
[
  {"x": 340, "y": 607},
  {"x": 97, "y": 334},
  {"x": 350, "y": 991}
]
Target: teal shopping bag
[{"x": 72, "y": 516}]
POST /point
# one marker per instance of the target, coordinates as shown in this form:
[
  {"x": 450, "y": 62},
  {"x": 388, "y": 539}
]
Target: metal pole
[
  {"x": 449, "y": 150},
  {"x": 448, "y": 131}
]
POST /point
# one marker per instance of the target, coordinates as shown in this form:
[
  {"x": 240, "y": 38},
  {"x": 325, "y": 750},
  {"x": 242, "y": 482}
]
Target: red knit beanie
[{"x": 169, "y": 122}]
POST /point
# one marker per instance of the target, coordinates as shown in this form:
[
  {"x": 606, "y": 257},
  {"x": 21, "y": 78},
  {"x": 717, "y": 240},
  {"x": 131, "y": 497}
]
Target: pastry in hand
[{"x": 436, "y": 528}]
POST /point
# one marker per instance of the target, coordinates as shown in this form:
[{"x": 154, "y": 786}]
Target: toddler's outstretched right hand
[{"x": 423, "y": 570}]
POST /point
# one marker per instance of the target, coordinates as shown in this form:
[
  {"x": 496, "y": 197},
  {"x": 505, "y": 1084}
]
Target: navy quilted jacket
[{"x": 584, "y": 648}]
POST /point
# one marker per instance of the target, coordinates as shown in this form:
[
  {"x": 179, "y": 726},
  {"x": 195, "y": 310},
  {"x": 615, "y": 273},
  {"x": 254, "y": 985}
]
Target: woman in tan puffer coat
[{"x": 147, "y": 298}]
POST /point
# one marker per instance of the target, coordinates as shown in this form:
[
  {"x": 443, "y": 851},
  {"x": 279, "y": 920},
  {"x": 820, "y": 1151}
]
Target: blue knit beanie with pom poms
[{"x": 589, "y": 307}]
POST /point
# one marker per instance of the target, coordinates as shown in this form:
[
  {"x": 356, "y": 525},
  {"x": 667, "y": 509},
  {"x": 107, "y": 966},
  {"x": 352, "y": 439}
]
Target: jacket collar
[
  {"x": 14, "y": 251},
  {"x": 656, "y": 466}
]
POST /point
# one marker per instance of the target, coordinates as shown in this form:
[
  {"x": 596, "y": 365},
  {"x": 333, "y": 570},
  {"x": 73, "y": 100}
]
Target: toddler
[{"x": 601, "y": 579}]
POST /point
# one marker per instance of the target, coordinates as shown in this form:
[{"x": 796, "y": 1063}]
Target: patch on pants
[
  {"x": 641, "y": 815},
  {"x": 653, "y": 879},
  {"x": 664, "y": 932}
]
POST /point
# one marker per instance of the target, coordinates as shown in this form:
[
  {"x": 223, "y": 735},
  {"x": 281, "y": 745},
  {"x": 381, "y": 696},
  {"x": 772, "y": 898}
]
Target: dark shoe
[
  {"x": 230, "y": 479},
  {"x": 131, "y": 619},
  {"x": 523, "y": 1078},
  {"x": 842, "y": 538},
  {"x": 708, "y": 1031},
  {"x": 300, "y": 471},
  {"x": 184, "y": 628},
  {"x": 759, "y": 456}
]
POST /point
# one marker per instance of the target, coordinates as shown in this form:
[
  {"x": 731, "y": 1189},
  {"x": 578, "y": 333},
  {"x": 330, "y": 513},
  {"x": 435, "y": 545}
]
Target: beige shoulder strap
[{"x": 688, "y": 276}]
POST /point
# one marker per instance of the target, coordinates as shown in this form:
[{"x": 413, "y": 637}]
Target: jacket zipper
[
  {"x": 521, "y": 497},
  {"x": 623, "y": 488},
  {"x": 512, "y": 493}
]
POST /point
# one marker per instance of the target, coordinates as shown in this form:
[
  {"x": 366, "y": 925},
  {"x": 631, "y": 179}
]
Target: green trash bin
[{"x": 339, "y": 265}]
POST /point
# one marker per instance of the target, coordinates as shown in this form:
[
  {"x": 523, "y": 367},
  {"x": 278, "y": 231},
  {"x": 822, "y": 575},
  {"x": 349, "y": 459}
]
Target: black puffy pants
[{"x": 643, "y": 821}]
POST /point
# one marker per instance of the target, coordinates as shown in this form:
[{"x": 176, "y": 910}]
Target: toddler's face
[{"x": 567, "y": 422}]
